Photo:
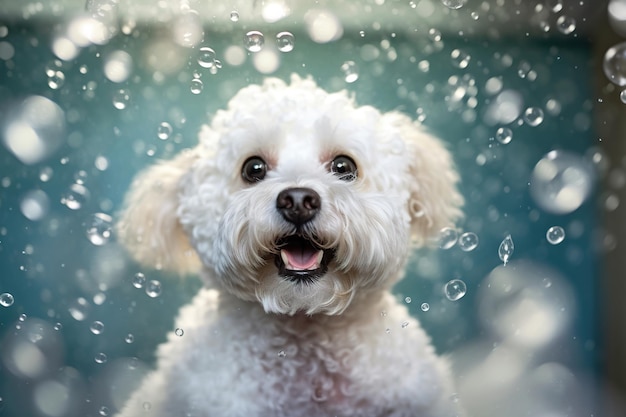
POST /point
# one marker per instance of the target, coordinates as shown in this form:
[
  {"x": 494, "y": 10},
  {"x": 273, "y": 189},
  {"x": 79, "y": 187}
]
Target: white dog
[{"x": 298, "y": 209}]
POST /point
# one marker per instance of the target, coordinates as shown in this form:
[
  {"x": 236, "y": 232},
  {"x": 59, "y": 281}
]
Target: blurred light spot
[
  {"x": 187, "y": 29},
  {"x": 323, "y": 26},
  {"x": 6, "y": 51},
  {"x": 274, "y": 10},
  {"x": 75, "y": 197},
  {"x": 517, "y": 306},
  {"x": 617, "y": 16},
  {"x": 505, "y": 108},
  {"x": 561, "y": 182},
  {"x": 235, "y": 55},
  {"x": 267, "y": 61},
  {"x": 51, "y": 398},
  {"x": 118, "y": 66},
  {"x": 64, "y": 48},
  {"x": 350, "y": 71},
  {"x": 35, "y": 205},
  {"x": 34, "y": 130},
  {"x": 79, "y": 309},
  {"x": 99, "y": 229},
  {"x": 493, "y": 85}
]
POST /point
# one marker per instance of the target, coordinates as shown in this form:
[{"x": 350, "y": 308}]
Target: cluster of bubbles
[
  {"x": 151, "y": 287},
  {"x": 449, "y": 237}
]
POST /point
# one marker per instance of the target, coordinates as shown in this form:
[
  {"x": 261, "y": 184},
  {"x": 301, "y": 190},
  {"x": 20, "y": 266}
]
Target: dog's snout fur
[{"x": 298, "y": 205}]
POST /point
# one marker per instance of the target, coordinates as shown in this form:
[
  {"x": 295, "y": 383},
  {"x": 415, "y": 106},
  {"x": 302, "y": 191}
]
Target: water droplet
[
  {"x": 504, "y": 135},
  {"x": 281, "y": 354},
  {"x": 139, "y": 279},
  {"x": 555, "y": 235},
  {"x": 196, "y": 86},
  {"x": 533, "y": 116},
  {"x": 425, "y": 306},
  {"x": 206, "y": 57},
  {"x": 79, "y": 309},
  {"x": 234, "y": 16},
  {"x": 455, "y": 289},
  {"x": 104, "y": 411},
  {"x": 129, "y": 338},
  {"x": 153, "y": 288},
  {"x": 164, "y": 131},
  {"x": 254, "y": 41},
  {"x": 99, "y": 229},
  {"x": 57, "y": 326},
  {"x": 404, "y": 324},
  {"x": 622, "y": 96},
  {"x": 97, "y": 327},
  {"x": 407, "y": 300},
  {"x": 285, "y": 41},
  {"x": 614, "y": 64},
  {"x": 506, "y": 249},
  {"x": 6, "y": 299},
  {"x": 454, "y": 4},
  {"x": 468, "y": 241},
  {"x": 460, "y": 59},
  {"x": 100, "y": 357},
  {"x": 566, "y": 24},
  {"x": 179, "y": 332},
  {"x": 350, "y": 71},
  {"x": 561, "y": 182},
  {"x": 121, "y": 99}
]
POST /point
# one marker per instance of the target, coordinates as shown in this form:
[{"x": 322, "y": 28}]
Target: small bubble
[
  {"x": 234, "y": 16},
  {"x": 475, "y": 15},
  {"x": 460, "y": 59},
  {"x": 285, "y": 41},
  {"x": 566, "y": 24},
  {"x": 75, "y": 197},
  {"x": 614, "y": 64},
  {"x": 281, "y": 354},
  {"x": 153, "y": 288},
  {"x": 555, "y": 235},
  {"x": 533, "y": 116},
  {"x": 504, "y": 135},
  {"x": 448, "y": 237},
  {"x": 57, "y": 326},
  {"x": 254, "y": 41},
  {"x": 164, "y": 131},
  {"x": 555, "y": 5},
  {"x": 454, "y": 4},
  {"x": 45, "y": 174},
  {"x": 206, "y": 57},
  {"x": 387, "y": 330},
  {"x": 407, "y": 300},
  {"x": 97, "y": 327},
  {"x": 6, "y": 299},
  {"x": 56, "y": 79},
  {"x": 350, "y": 71},
  {"x": 196, "y": 86},
  {"x": 468, "y": 241},
  {"x": 434, "y": 35},
  {"x": 139, "y": 279},
  {"x": 99, "y": 229},
  {"x": 101, "y": 357},
  {"x": 425, "y": 306},
  {"x": 404, "y": 324},
  {"x": 79, "y": 309},
  {"x": 622, "y": 96},
  {"x": 22, "y": 317},
  {"x": 455, "y": 289},
  {"x": 506, "y": 249},
  {"x": 104, "y": 411},
  {"x": 121, "y": 99},
  {"x": 147, "y": 406},
  {"x": 129, "y": 338},
  {"x": 179, "y": 332}
]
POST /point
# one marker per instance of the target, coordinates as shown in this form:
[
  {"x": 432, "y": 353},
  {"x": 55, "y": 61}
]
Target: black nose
[{"x": 298, "y": 205}]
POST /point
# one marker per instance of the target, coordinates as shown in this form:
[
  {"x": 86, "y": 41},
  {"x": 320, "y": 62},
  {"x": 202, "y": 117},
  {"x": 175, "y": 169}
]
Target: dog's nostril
[{"x": 298, "y": 205}]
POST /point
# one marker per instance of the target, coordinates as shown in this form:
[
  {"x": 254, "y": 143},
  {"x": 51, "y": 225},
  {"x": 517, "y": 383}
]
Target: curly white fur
[{"x": 255, "y": 343}]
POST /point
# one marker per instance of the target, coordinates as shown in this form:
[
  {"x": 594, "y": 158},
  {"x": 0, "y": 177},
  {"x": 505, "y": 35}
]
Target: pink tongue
[{"x": 301, "y": 258}]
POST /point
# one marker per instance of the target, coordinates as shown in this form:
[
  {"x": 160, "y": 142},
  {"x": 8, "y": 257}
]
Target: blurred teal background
[{"x": 56, "y": 273}]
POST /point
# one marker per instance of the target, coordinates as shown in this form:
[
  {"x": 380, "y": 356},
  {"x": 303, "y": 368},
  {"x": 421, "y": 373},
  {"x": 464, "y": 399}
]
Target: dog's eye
[
  {"x": 254, "y": 169},
  {"x": 344, "y": 167}
]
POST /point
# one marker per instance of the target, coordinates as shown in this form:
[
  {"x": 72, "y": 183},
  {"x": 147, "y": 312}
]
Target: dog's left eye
[
  {"x": 254, "y": 169},
  {"x": 344, "y": 167}
]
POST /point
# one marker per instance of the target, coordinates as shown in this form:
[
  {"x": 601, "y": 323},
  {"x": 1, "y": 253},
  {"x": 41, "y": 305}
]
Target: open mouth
[{"x": 300, "y": 259}]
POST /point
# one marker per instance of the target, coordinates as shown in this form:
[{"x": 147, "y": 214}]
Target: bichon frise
[{"x": 299, "y": 210}]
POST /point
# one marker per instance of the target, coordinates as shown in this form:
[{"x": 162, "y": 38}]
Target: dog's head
[{"x": 295, "y": 198}]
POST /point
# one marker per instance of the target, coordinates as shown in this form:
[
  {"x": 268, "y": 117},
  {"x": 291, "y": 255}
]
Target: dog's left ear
[
  {"x": 434, "y": 201},
  {"x": 149, "y": 227}
]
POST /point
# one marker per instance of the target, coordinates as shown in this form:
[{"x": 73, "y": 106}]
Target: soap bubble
[
  {"x": 101, "y": 357},
  {"x": 425, "y": 307},
  {"x": 206, "y": 57},
  {"x": 196, "y": 86},
  {"x": 533, "y": 116},
  {"x": 460, "y": 59},
  {"x": 254, "y": 41},
  {"x": 561, "y": 182},
  {"x": 139, "y": 280},
  {"x": 75, "y": 196},
  {"x": 179, "y": 332},
  {"x": 79, "y": 309},
  {"x": 6, "y": 299},
  {"x": 234, "y": 16},
  {"x": 614, "y": 64},
  {"x": 350, "y": 71},
  {"x": 164, "y": 130},
  {"x": 285, "y": 41},
  {"x": 504, "y": 135},
  {"x": 97, "y": 327},
  {"x": 506, "y": 248},
  {"x": 566, "y": 24},
  {"x": 454, "y": 4},
  {"x": 153, "y": 288},
  {"x": 99, "y": 229},
  {"x": 455, "y": 289},
  {"x": 121, "y": 99},
  {"x": 447, "y": 237},
  {"x": 555, "y": 235},
  {"x": 468, "y": 241}
]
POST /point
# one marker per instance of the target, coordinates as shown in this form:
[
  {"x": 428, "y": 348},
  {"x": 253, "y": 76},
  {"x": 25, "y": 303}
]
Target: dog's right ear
[{"x": 149, "y": 227}]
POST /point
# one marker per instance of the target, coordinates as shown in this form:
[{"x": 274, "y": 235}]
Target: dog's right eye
[{"x": 254, "y": 169}]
